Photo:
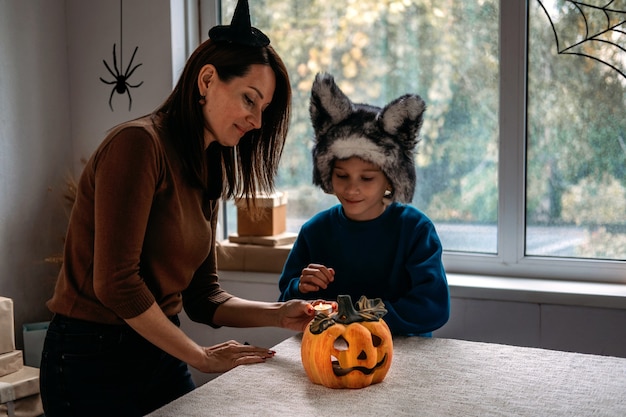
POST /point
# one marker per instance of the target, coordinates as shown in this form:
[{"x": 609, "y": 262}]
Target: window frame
[{"x": 510, "y": 259}]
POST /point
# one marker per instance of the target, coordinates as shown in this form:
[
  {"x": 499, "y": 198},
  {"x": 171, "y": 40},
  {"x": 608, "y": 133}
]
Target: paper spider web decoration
[{"x": 599, "y": 32}]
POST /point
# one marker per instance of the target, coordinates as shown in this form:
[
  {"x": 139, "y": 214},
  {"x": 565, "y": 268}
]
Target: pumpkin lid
[{"x": 365, "y": 310}]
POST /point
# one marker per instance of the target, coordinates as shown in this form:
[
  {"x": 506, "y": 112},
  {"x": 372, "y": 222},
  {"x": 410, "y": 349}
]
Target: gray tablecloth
[{"x": 428, "y": 377}]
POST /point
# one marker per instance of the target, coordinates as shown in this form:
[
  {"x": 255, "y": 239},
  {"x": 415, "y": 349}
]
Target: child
[{"x": 373, "y": 243}]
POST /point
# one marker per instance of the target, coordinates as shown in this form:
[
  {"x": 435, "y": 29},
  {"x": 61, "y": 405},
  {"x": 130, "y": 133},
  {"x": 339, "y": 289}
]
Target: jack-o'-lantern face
[{"x": 351, "y": 348}]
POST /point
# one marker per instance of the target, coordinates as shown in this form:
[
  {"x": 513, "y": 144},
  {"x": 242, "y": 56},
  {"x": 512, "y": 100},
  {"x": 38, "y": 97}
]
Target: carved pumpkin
[{"x": 351, "y": 348}]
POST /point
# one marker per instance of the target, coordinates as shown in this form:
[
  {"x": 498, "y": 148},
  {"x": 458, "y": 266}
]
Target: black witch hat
[{"x": 240, "y": 30}]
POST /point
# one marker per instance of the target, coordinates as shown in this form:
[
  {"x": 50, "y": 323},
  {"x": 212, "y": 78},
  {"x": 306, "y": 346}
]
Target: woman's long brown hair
[{"x": 249, "y": 168}]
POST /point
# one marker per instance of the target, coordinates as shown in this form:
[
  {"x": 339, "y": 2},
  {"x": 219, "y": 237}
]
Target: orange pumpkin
[{"x": 351, "y": 348}]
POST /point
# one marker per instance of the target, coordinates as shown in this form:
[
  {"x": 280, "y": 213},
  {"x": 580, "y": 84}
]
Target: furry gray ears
[
  {"x": 384, "y": 136},
  {"x": 329, "y": 106}
]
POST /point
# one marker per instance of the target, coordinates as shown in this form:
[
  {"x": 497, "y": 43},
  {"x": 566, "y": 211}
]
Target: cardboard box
[
  {"x": 11, "y": 362},
  {"x": 271, "y": 219},
  {"x": 251, "y": 258},
  {"x": 20, "y": 384},
  {"x": 281, "y": 239},
  {"x": 7, "y": 329},
  {"x": 30, "y": 406}
]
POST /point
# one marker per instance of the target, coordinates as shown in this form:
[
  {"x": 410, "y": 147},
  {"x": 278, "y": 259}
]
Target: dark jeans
[{"x": 91, "y": 369}]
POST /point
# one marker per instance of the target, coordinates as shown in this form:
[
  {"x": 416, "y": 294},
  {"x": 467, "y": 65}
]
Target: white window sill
[
  {"x": 538, "y": 291},
  {"x": 262, "y": 264}
]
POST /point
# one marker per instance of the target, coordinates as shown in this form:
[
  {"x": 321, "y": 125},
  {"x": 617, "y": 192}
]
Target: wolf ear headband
[
  {"x": 384, "y": 136},
  {"x": 240, "y": 30}
]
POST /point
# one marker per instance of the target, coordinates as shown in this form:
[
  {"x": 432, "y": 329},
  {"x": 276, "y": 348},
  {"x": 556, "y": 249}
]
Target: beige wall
[{"x": 54, "y": 111}]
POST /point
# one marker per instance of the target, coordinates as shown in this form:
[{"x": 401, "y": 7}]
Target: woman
[
  {"x": 141, "y": 239},
  {"x": 373, "y": 243}
]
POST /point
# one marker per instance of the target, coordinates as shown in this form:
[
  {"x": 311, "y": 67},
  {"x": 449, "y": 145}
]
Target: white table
[{"x": 428, "y": 377}]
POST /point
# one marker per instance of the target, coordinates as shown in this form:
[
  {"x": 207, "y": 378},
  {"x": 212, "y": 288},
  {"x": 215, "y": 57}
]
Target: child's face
[{"x": 360, "y": 187}]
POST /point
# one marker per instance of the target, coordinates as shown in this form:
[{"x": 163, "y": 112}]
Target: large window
[
  {"x": 522, "y": 162},
  {"x": 576, "y": 138}
]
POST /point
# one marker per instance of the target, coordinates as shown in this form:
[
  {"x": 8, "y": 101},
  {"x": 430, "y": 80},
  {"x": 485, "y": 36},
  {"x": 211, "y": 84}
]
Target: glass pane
[
  {"x": 576, "y": 160},
  {"x": 447, "y": 52}
]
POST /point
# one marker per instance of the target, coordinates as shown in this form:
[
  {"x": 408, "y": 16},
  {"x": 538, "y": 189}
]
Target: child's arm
[{"x": 426, "y": 305}]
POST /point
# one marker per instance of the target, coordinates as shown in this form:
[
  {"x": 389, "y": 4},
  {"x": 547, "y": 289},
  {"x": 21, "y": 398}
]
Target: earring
[
  {"x": 388, "y": 193},
  {"x": 202, "y": 100}
]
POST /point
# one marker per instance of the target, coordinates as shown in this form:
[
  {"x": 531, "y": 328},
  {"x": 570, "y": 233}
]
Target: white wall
[
  {"x": 35, "y": 150},
  {"x": 93, "y": 26},
  {"x": 54, "y": 111},
  {"x": 550, "y": 326}
]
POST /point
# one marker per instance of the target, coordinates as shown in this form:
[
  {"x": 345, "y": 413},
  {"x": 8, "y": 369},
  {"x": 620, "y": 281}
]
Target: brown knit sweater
[{"x": 138, "y": 233}]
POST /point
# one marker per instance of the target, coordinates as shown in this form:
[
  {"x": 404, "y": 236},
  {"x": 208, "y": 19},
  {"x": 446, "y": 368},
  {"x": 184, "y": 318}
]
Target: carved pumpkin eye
[
  {"x": 376, "y": 340},
  {"x": 341, "y": 344}
]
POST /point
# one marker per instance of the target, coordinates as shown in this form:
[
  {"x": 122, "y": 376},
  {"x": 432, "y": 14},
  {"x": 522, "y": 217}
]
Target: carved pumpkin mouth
[{"x": 339, "y": 371}]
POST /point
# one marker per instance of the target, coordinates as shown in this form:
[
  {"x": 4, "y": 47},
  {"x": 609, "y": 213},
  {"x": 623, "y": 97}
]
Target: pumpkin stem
[
  {"x": 371, "y": 309},
  {"x": 346, "y": 313}
]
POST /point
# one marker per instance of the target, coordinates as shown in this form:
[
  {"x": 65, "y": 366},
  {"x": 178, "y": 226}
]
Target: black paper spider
[{"x": 121, "y": 80}]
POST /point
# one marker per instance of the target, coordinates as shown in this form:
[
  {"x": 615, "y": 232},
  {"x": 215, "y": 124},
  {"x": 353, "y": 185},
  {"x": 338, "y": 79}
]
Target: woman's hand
[
  {"x": 159, "y": 330},
  {"x": 227, "y": 355},
  {"x": 315, "y": 277},
  {"x": 295, "y": 314}
]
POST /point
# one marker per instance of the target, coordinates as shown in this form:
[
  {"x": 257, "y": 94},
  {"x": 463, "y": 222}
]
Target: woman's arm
[
  {"x": 238, "y": 312},
  {"x": 154, "y": 326}
]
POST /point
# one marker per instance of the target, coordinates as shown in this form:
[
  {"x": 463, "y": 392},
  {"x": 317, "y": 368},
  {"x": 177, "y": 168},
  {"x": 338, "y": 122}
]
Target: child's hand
[{"x": 315, "y": 277}]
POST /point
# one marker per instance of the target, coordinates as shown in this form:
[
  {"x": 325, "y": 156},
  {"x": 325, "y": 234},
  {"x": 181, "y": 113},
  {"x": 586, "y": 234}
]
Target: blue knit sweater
[{"x": 396, "y": 257}]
